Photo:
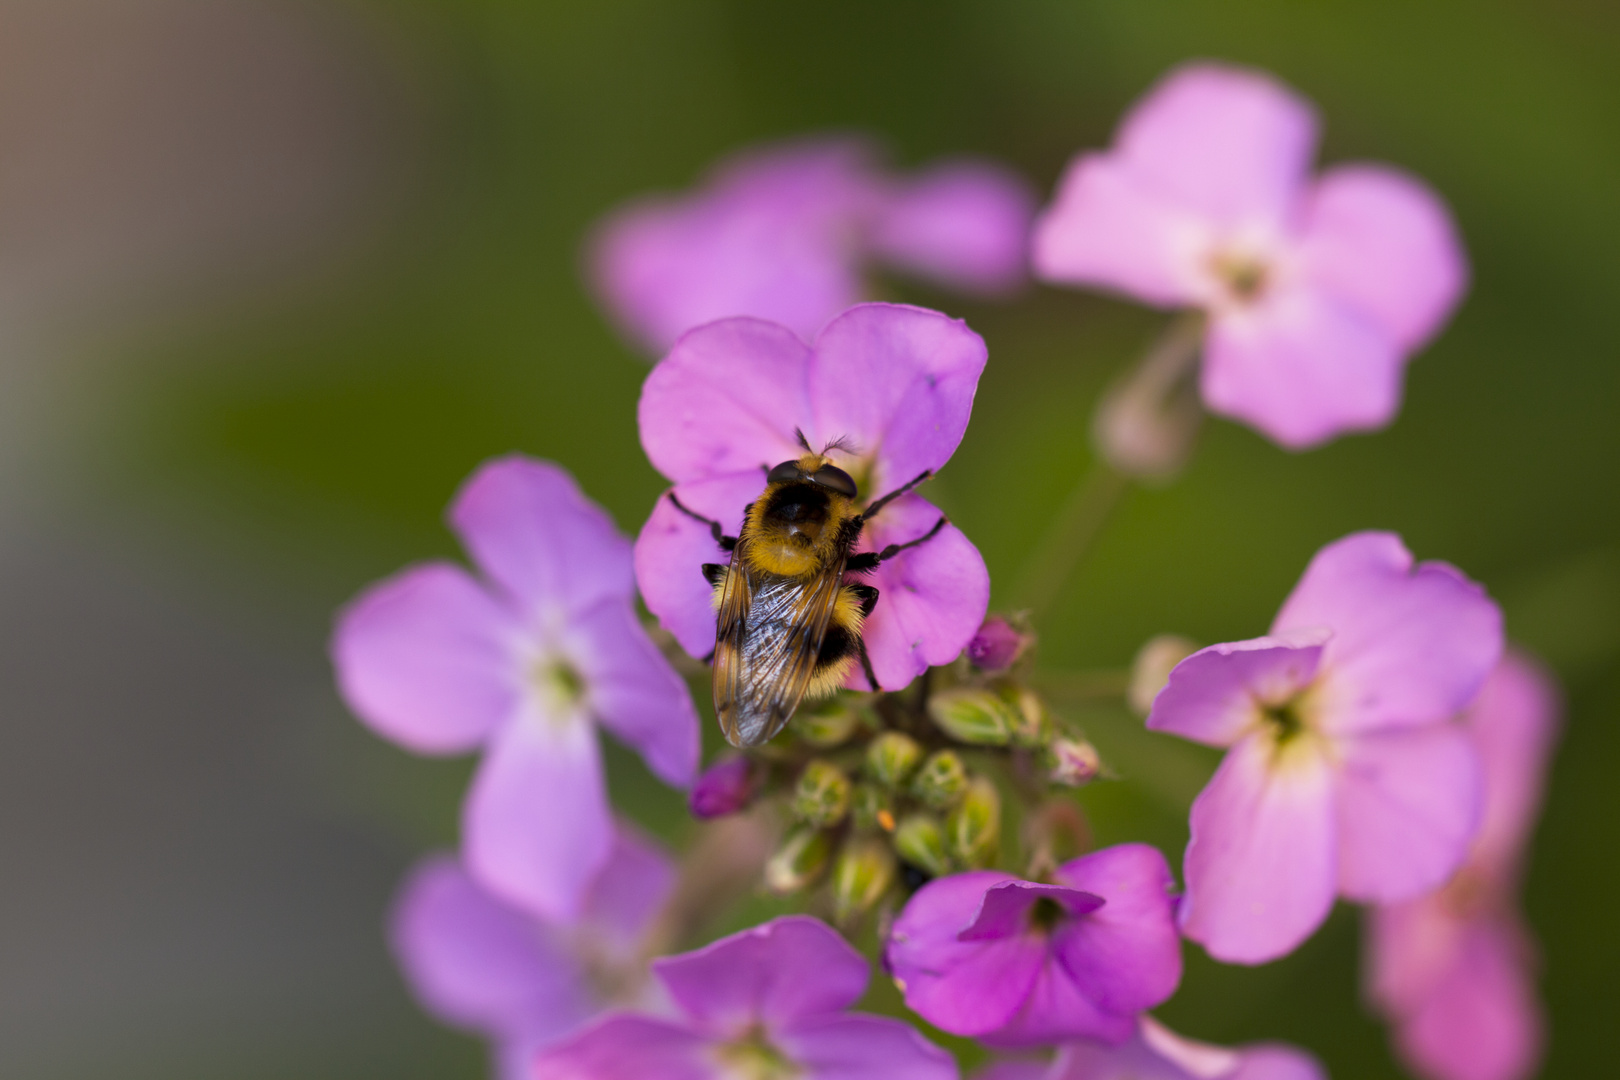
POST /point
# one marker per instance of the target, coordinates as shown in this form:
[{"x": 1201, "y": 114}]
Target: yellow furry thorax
[{"x": 794, "y": 550}]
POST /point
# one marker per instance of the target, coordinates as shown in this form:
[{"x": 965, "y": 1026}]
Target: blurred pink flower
[
  {"x": 782, "y": 231},
  {"x": 897, "y": 384},
  {"x": 1317, "y": 291},
  {"x": 523, "y": 663},
  {"x": 1154, "y": 1052},
  {"x": 1346, "y": 774},
  {"x": 1453, "y": 970},
  {"x": 475, "y": 962}
]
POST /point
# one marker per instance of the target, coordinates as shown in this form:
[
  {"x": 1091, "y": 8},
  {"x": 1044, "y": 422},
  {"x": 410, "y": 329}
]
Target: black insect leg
[
  {"x": 872, "y": 510},
  {"x": 868, "y": 595},
  {"x": 868, "y": 560},
  {"x": 727, "y": 543},
  {"x": 866, "y": 664}
]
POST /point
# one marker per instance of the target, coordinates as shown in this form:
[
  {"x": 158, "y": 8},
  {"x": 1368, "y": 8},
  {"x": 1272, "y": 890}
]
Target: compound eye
[
  {"x": 785, "y": 473},
  {"x": 835, "y": 479}
]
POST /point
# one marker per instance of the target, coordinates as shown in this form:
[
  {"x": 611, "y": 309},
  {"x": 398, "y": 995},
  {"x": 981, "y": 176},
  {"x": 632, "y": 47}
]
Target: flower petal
[
  {"x": 1409, "y": 802},
  {"x": 861, "y": 1047},
  {"x": 1301, "y": 367},
  {"x": 630, "y": 891},
  {"x": 932, "y": 598},
  {"x": 1056, "y": 1010},
  {"x": 1215, "y": 695},
  {"x": 1274, "y": 1061},
  {"x": 424, "y": 658},
  {"x": 1411, "y": 946},
  {"x": 771, "y": 237},
  {"x": 1261, "y": 864},
  {"x": 789, "y": 969},
  {"x": 536, "y": 827},
  {"x": 634, "y": 692},
  {"x": 530, "y": 528},
  {"x": 1482, "y": 1021},
  {"x": 1004, "y": 911},
  {"x": 1230, "y": 142},
  {"x": 1411, "y": 645},
  {"x": 672, "y": 548},
  {"x": 726, "y": 400},
  {"x": 1015, "y": 1069},
  {"x": 476, "y": 962},
  {"x": 1126, "y": 955},
  {"x": 1384, "y": 242},
  {"x": 1108, "y": 230},
  {"x": 964, "y": 987},
  {"x": 962, "y": 223},
  {"x": 1514, "y": 724},
  {"x": 898, "y": 381},
  {"x": 624, "y": 1046},
  {"x": 1157, "y": 1053}
]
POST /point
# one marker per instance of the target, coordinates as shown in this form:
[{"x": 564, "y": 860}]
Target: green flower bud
[
  {"x": 974, "y": 827},
  {"x": 920, "y": 841},
  {"x": 799, "y": 861},
  {"x": 976, "y": 717},
  {"x": 1031, "y": 726},
  {"x": 1073, "y": 762},
  {"x": 941, "y": 780},
  {"x": 863, "y": 873},
  {"x": 821, "y": 798},
  {"x": 829, "y": 725},
  {"x": 891, "y": 758},
  {"x": 870, "y": 807}
]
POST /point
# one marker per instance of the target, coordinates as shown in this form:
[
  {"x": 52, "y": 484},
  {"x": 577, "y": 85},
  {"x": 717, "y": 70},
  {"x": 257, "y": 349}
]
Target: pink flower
[
  {"x": 1346, "y": 774},
  {"x": 524, "y": 664},
  {"x": 477, "y": 963},
  {"x": 781, "y": 232},
  {"x": 770, "y": 1002},
  {"x": 1317, "y": 291},
  {"x": 1017, "y": 963},
  {"x": 1452, "y": 970},
  {"x": 1154, "y": 1052},
  {"x": 896, "y": 384}
]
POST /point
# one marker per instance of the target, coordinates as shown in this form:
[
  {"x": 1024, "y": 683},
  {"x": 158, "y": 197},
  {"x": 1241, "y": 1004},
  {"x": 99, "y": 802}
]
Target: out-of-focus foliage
[{"x": 312, "y": 445}]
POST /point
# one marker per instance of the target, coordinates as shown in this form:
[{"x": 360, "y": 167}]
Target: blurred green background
[{"x": 253, "y": 454}]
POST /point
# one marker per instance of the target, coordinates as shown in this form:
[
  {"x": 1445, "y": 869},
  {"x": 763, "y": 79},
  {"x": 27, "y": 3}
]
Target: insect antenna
[
  {"x": 843, "y": 443},
  {"x": 804, "y": 442}
]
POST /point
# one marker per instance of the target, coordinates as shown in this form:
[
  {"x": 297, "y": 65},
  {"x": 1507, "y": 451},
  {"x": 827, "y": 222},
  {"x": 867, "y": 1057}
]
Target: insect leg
[
  {"x": 868, "y": 595},
  {"x": 866, "y": 664},
  {"x": 714, "y": 573},
  {"x": 897, "y": 492},
  {"x": 727, "y": 543},
  {"x": 868, "y": 560}
]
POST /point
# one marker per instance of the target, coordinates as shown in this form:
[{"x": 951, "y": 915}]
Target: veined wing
[{"x": 770, "y": 634}]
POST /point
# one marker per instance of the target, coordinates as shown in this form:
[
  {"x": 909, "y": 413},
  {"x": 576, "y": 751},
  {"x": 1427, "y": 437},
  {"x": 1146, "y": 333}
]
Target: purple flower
[
  {"x": 1157, "y": 1053},
  {"x": 1017, "y": 963},
  {"x": 476, "y": 962},
  {"x": 781, "y": 232},
  {"x": 896, "y": 384},
  {"x": 1316, "y": 291},
  {"x": 1346, "y": 774},
  {"x": 724, "y": 788},
  {"x": 766, "y": 1004},
  {"x": 1453, "y": 969},
  {"x": 996, "y": 645},
  {"x": 523, "y": 664}
]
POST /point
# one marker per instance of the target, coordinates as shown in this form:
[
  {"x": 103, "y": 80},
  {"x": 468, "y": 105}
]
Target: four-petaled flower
[
  {"x": 478, "y": 963},
  {"x": 894, "y": 384},
  {"x": 1452, "y": 970},
  {"x": 1154, "y": 1052},
  {"x": 1346, "y": 773},
  {"x": 782, "y": 232},
  {"x": 1018, "y": 963},
  {"x": 769, "y": 1003},
  {"x": 525, "y": 665},
  {"x": 1316, "y": 292}
]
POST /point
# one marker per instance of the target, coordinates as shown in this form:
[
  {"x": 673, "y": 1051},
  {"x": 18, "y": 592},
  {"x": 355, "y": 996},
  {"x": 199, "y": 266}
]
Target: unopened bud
[
  {"x": 1150, "y": 671},
  {"x": 870, "y": 807},
  {"x": 1147, "y": 422},
  {"x": 997, "y": 645},
  {"x": 1074, "y": 762},
  {"x": 974, "y": 827},
  {"x": 826, "y": 726},
  {"x": 891, "y": 758},
  {"x": 941, "y": 780},
  {"x": 801, "y": 858},
  {"x": 863, "y": 873},
  {"x": 821, "y": 797},
  {"x": 724, "y": 788},
  {"x": 976, "y": 717},
  {"x": 1031, "y": 726},
  {"x": 920, "y": 841}
]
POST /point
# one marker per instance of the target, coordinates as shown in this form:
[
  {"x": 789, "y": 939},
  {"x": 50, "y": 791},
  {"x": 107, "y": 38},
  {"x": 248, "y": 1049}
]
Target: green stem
[{"x": 1066, "y": 539}]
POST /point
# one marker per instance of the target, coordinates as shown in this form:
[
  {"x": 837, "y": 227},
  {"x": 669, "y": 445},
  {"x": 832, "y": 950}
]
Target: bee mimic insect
[{"x": 789, "y": 622}]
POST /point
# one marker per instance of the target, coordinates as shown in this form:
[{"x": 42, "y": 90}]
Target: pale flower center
[
  {"x": 753, "y": 1058},
  {"x": 1243, "y": 276},
  {"x": 559, "y": 686}
]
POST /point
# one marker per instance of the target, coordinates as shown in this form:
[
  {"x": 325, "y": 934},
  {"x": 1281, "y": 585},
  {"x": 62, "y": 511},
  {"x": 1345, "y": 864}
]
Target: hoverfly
[{"x": 789, "y": 624}]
